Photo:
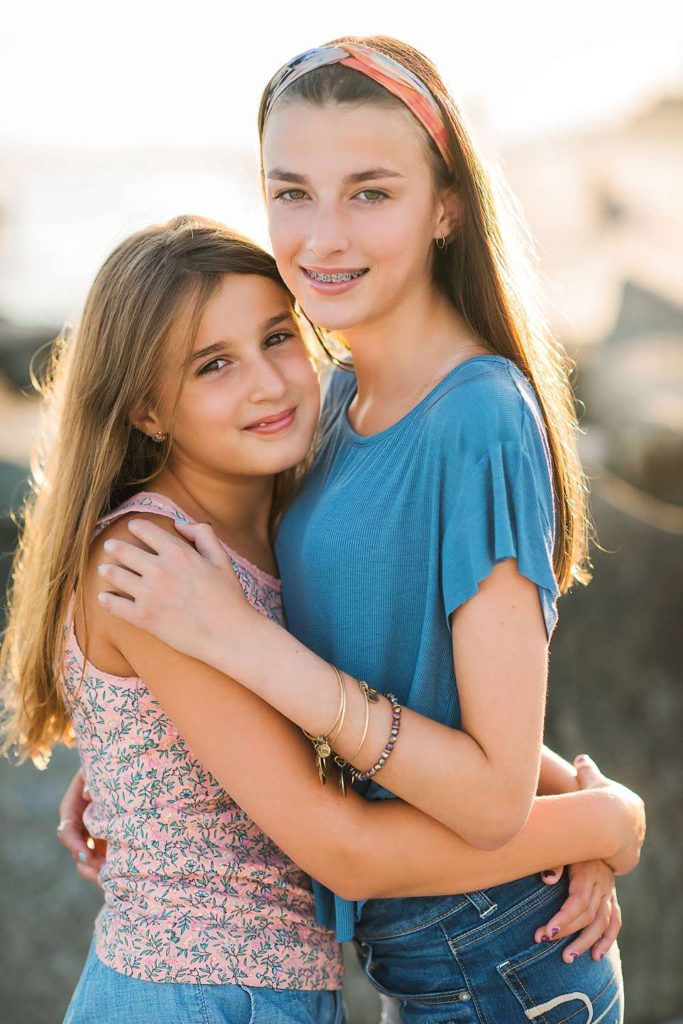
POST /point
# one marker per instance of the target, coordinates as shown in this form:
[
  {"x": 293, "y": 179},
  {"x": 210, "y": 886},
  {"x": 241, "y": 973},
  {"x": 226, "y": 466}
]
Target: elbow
[
  {"x": 500, "y": 827},
  {"x": 345, "y": 877},
  {"x": 347, "y": 867}
]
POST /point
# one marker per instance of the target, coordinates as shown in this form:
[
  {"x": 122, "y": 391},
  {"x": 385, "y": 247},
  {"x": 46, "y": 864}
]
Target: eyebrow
[
  {"x": 279, "y": 174},
  {"x": 216, "y": 346}
]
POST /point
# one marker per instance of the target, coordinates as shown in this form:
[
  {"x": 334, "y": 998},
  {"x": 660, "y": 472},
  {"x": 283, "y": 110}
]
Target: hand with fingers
[
  {"x": 181, "y": 591},
  {"x": 627, "y": 856},
  {"x": 88, "y": 853},
  {"x": 591, "y": 912}
]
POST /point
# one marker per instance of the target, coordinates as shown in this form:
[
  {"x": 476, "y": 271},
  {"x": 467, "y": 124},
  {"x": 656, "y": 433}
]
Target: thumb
[
  {"x": 206, "y": 542},
  {"x": 587, "y": 772}
]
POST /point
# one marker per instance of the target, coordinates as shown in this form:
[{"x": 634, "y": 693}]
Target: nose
[
  {"x": 327, "y": 231},
  {"x": 267, "y": 382}
]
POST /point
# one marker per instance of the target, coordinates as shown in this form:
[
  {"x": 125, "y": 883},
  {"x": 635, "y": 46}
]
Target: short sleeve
[{"x": 503, "y": 509}]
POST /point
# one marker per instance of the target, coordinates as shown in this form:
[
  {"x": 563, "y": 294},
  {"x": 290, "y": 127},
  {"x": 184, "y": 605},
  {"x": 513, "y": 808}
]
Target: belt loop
[{"x": 481, "y": 902}]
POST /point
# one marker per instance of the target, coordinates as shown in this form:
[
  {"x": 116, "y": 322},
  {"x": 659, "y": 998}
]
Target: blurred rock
[
  {"x": 615, "y": 692},
  {"x": 19, "y": 346},
  {"x": 632, "y": 386}
]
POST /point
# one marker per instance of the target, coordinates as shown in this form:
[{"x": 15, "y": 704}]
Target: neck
[
  {"x": 238, "y": 508},
  {"x": 399, "y": 356}
]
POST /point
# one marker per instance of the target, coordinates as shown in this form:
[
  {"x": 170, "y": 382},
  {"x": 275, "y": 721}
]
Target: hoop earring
[
  {"x": 159, "y": 436},
  {"x": 442, "y": 243}
]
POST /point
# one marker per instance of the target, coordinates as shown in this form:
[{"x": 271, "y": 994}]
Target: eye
[
  {"x": 213, "y": 367},
  {"x": 279, "y": 338},
  {"x": 372, "y": 195},
  {"x": 290, "y": 195}
]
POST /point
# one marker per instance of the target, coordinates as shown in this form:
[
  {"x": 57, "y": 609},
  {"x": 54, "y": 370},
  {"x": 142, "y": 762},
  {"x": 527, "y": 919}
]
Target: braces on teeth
[{"x": 334, "y": 278}]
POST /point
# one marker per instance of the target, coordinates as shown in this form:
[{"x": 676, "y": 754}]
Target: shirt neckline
[{"x": 365, "y": 439}]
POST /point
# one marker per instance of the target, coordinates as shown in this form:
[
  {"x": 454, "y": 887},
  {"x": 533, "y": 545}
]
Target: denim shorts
[
  {"x": 104, "y": 996},
  {"x": 472, "y": 959}
]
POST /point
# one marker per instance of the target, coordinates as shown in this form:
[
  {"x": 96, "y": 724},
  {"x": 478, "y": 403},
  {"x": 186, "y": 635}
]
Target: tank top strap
[
  {"x": 145, "y": 501},
  {"x": 159, "y": 505}
]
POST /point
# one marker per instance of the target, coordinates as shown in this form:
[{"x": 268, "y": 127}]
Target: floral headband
[{"x": 396, "y": 79}]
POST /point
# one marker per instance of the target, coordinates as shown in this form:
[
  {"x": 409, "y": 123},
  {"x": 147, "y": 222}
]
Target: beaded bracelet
[{"x": 386, "y": 753}]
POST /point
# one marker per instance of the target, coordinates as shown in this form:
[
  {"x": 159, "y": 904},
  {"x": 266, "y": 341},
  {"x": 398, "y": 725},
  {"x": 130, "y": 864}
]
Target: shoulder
[
  {"x": 486, "y": 403},
  {"x": 103, "y": 630},
  {"x": 118, "y": 529}
]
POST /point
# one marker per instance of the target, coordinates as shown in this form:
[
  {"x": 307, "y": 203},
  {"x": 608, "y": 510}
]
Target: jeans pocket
[
  {"x": 551, "y": 991},
  {"x": 451, "y": 1006}
]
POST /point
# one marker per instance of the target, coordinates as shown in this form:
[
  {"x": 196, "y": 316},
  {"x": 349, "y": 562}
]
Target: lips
[{"x": 273, "y": 424}]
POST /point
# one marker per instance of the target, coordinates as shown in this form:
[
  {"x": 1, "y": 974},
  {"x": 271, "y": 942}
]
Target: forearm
[
  {"x": 358, "y": 848},
  {"x": 451, "y": 784},
  {"x": 556, "y": 775},
  {"x": 429, "y": 860}
]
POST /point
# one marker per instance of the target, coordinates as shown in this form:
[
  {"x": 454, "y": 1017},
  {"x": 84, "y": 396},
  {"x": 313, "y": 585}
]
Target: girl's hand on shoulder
[
  {"x": 186, "y": 594},
  {"x": 591, "y": 909}
]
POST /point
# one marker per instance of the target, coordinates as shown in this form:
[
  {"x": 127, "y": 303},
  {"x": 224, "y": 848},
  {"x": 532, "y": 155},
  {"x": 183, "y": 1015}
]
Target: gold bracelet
[
  {"x": 322, "y": 745},
  {"x": 342, "y": 710},
  {"x": 370, "y": 696}
]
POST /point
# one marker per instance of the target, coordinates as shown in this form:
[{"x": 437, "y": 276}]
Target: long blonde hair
[
  {"x": 485, "y": 272},
  {"x": 88, "y": 458}
]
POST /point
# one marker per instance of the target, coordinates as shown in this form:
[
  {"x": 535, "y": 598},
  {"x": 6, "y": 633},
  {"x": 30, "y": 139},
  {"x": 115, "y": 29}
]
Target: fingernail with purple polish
[
  {"x": 572, "y": 956},
  {"x": 554, "y": 932},
  {"x": 545, "y": 938}
]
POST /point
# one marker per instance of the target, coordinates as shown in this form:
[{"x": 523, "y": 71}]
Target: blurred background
[{"x": 112, "y": 118}]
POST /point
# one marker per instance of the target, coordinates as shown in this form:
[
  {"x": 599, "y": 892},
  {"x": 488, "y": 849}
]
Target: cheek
[
  {"x": 212, "y": 409},
  {"x": 299, "y": 373},
  {"x": 285, "y": 232},
  {"x": 405, "y": 236}
]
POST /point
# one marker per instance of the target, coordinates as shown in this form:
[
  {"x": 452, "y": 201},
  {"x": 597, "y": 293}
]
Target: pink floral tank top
[{"x": 193, "y": 890}]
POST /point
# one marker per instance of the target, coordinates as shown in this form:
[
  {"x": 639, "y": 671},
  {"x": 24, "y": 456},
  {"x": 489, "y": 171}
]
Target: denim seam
[
  {"x": 420, "y": 928},
  {"x": 252, "y": 1003},
  {"x": 201, "y": 1001},
  {"x": 434, "y": 998},
  {"x": 475, "y": 934},
  {"x": 472, "y": 989}
]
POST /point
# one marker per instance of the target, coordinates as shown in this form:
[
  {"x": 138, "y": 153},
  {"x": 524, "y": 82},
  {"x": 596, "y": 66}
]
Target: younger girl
[
  {"x": 444, "y": 514},
  {"x": 188, "y": 374}
]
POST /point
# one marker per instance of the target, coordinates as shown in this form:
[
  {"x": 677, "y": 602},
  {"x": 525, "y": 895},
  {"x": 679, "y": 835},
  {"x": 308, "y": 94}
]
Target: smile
[
  {"x": 273, "y": 424},
  {"x": 335, "y": 278}
]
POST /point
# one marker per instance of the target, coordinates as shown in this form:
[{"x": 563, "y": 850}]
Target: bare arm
[
  {"x": 358, "y": 848},
  {"x": 557, "y": 775},
  {"x": 478, "y": 780}
]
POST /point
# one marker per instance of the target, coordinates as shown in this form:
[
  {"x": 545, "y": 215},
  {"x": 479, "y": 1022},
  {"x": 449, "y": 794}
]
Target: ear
[
  {"x": 146, "y": 421},
  {"x": 449, "y": 214}
]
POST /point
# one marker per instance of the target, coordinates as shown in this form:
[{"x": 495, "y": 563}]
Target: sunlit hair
[
  {"x": 146, "y": 302},
  {"x": 485, "y": 272}
]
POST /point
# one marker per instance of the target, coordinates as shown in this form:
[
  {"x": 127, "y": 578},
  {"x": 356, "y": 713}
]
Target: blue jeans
[
  {"x": 104, "y": 996},
  {"x": 472, "y": 959}
]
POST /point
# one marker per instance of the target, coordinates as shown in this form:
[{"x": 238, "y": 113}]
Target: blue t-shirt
[{"x": 391, "y": 533}]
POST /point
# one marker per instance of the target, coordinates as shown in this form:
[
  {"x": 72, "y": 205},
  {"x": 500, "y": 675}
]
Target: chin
[
  {"x": 277, "y": 461},
  {"x": 324, "y": 315}
]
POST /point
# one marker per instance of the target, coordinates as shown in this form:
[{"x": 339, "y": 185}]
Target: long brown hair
[
  {"x": 485, "y": 273},
  {"x": 89, "y": 458}
]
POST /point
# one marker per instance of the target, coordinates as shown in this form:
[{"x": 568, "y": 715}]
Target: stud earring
[{"x": 159, "y": 436}]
